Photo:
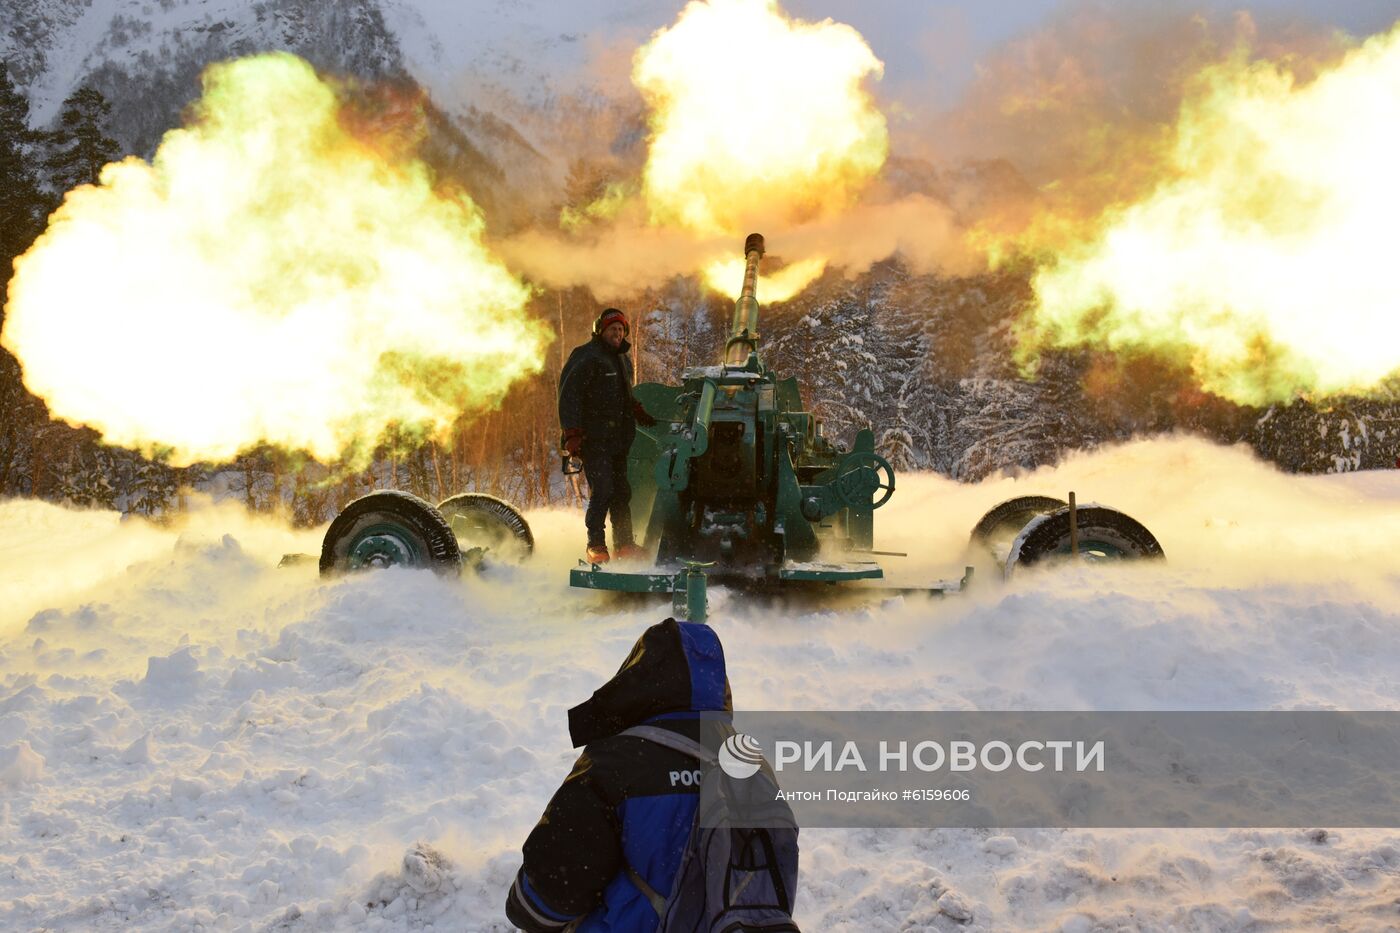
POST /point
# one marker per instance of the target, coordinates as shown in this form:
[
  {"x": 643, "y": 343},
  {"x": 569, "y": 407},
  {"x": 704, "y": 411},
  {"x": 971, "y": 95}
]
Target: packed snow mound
[{"x": 191, "y": 737}]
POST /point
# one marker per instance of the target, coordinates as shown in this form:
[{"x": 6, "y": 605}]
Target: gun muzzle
[{"x": 743, "y": 332}]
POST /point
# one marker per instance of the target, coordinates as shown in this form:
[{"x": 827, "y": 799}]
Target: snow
[
  {"x": 70, "y": 53},
  {"x": 19, "y": 764},
  {"x": 86, "y": 43},
  {"x": 529, "y": 49},
  {"x": 191, "y": 738},
  {"x": 1001, "y": 845}
]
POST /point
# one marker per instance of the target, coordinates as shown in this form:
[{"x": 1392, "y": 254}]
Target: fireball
[
  {"x": 1264, "y": 257},
  {"x": 785, "y": 129},
  {"x": 283, "y": 271}
]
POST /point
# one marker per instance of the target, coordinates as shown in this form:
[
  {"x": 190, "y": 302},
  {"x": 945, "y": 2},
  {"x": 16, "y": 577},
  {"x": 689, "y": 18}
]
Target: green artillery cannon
[
  {"x": 738, "y": 474},
  {"x": 742, "y": 475}
]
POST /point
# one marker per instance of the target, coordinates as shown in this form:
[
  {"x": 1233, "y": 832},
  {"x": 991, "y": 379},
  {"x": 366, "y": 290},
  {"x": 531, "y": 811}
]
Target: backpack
[{"x": 732, "y": 879}]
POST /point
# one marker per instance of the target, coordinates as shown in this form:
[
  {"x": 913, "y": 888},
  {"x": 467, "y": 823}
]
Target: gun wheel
[
  {"x": 1008, "y": 518},
  {"x": 389, "y": 529},
  {"x": 494, "y": 525},
  {"x": 1105, "y": 534}
]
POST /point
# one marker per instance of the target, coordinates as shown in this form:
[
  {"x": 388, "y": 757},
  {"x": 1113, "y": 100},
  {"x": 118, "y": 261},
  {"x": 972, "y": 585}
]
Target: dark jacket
[
  {"x": 628, "y": 801},
  {"x": 595, "y": 394}
]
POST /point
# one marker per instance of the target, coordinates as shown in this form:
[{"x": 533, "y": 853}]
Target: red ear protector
[{"x": 608, "y": 316}]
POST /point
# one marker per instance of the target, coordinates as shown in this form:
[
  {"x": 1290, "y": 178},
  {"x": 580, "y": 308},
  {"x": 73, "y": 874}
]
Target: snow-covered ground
[{"x": 192, "y": 738}]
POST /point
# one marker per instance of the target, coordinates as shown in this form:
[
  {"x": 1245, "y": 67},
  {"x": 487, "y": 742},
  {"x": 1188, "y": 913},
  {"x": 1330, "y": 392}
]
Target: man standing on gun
[{"x": 599, "y": 418}]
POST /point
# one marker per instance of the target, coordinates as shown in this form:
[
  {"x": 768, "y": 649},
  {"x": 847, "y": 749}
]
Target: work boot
[
  {"x": 598, "y": 554},
  {"x": 630, "y": 552}
]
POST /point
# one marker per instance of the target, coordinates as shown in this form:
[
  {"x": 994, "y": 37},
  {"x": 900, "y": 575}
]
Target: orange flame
[
  {"x": 1264, "y": 257},
  {"x": 283, "y": 271}
]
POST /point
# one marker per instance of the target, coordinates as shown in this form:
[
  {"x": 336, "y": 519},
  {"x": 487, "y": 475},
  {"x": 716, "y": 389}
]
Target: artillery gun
[
  {"x": 739, "y": 476},
  {"x": 736, "y": 479}
]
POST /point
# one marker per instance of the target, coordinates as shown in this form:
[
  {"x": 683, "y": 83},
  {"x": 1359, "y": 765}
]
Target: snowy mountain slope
[
  {"x": 140, "y": 37},
  {"x": 461, "y": 49},
  {"x": 34, "y": 30},
  {"x": 192, "y": 738},
  {"x": 145, "y": 58}
]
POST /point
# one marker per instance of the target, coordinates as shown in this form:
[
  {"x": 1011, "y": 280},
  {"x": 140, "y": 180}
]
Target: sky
[
  {"x": 943, "y": 39},
  {"x": 930, "y": 48}
]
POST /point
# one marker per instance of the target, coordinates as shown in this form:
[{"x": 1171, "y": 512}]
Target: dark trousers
[{"x": 609, "y": 494}]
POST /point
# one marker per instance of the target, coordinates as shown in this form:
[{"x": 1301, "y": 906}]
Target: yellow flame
[
  {"x": 272, "y": 276},
  {"x": 755, "y": 115},
  {"x": 1267, "y": 258},
  {"x": 726, "y": 277}
]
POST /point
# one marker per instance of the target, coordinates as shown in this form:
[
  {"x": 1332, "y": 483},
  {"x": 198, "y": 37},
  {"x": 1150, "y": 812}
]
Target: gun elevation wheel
[
  {"x": 1105, "y": 534},
  {"x": 389, "y": 529},
  {"x": 862, "y": 475},
  {"x": 482, "y": 521}
]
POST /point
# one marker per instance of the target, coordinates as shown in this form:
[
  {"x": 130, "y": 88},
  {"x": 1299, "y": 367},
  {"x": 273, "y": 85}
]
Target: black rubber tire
[
  {"x": 484, "y": 521},
  {"x": 1121, "y": 535},
  {"x": 1012, "y": 515},
  {"x": 414, "y": 520}
]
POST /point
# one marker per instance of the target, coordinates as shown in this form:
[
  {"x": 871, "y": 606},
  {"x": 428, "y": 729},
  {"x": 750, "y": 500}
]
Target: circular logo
[{"x": 740, "y": 756}]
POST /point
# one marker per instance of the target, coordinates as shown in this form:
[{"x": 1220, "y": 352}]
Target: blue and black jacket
[
  {"x": 628, "y": 803},
  {"x": 595, "y": 395}
]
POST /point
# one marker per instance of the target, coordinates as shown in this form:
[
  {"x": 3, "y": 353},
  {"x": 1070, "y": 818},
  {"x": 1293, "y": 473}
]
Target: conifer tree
[
  {"x": 20, "y": 200},
  {"x": 79, "y": 146},
  {"x": 21, "y": 210}
]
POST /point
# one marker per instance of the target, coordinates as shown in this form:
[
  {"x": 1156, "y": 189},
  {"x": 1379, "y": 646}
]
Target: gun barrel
[{"x": 743, "y": 333}]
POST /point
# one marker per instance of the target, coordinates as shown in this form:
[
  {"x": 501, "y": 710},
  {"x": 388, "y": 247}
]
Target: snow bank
[
  {"x": 226, "y": 745},
  {"x": 1217, "y": 510}
]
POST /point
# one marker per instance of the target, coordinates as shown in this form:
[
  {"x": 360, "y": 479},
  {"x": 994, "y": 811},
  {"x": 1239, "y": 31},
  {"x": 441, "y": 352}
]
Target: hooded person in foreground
[{"x": 629, "y": 804}]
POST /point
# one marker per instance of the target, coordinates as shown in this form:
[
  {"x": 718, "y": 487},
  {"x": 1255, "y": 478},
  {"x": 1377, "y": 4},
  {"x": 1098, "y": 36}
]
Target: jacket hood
[{"x": 674, "y": 667}]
